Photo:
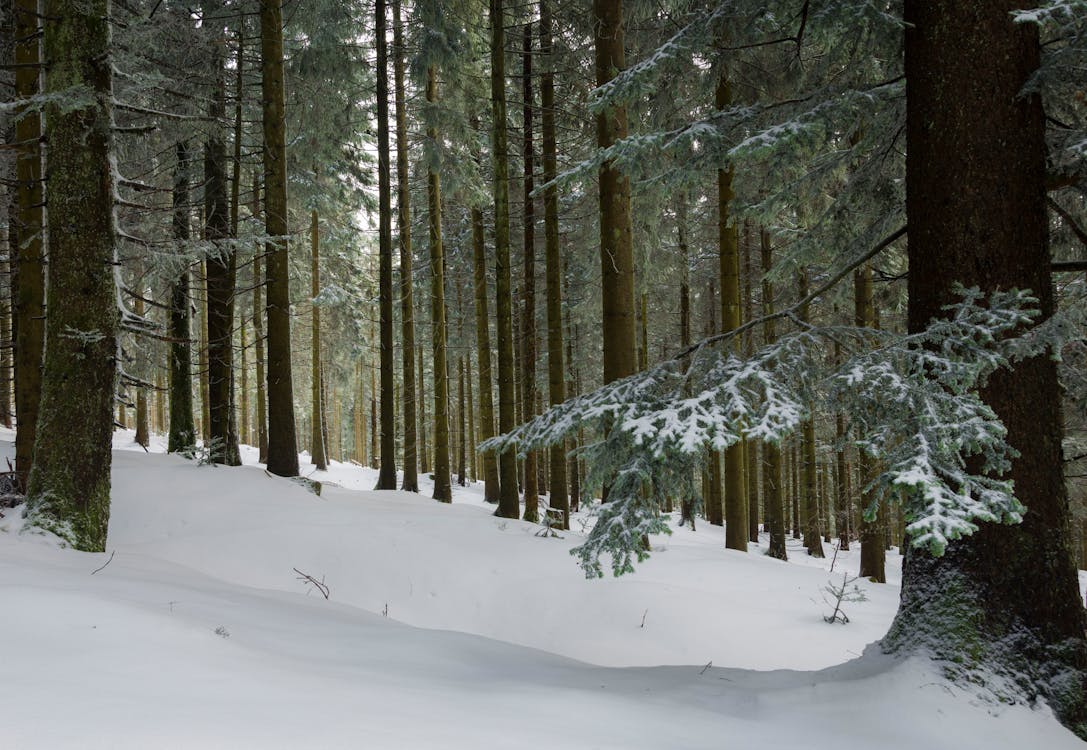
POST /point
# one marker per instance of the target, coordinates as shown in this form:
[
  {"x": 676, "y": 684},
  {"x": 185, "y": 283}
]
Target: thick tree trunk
[
  {"x": 443, "y": 490},
  {"x": 410, "y": 482},
  {"x": 317, "y": 421},
  {"x": 282, "y": 440},
  {"x": 1005, "y": 599},
  {"x": 26, "y": 229},
  {"x": 70, "y": 481},
  {"x": 509, "y": 501},
  {"x": 387, "y": 477},
  {"x": 182, "y": 420}
]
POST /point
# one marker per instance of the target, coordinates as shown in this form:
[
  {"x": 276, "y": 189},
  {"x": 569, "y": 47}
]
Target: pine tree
[{"x": 182, "y": 421}]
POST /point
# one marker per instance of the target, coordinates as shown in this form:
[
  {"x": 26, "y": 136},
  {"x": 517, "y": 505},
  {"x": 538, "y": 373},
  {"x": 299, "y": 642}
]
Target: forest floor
[{"x": 444, "y": 627}]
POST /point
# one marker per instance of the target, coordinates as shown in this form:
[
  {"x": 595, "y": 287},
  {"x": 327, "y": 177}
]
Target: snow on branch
[{"x": 912, "y": 402}]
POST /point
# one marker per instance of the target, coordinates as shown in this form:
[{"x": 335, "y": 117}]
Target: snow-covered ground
[{"x": 445, "y": 628}]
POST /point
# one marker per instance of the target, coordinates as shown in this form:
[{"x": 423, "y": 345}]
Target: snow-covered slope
[{"x": 445, "y": 628}]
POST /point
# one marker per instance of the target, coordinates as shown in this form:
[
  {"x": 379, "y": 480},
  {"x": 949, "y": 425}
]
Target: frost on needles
[{"x": 911, "y": 401}]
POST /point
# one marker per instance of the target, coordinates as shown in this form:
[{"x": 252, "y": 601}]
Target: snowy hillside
[{"x": 444, "y": 628}]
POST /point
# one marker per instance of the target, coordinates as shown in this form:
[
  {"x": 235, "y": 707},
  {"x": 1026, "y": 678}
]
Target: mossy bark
[
  {"x": 1005, "y": 599},
  {"x": 70, "y": 481}
]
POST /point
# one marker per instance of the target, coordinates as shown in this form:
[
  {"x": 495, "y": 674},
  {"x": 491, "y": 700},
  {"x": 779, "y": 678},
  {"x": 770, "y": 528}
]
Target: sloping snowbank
[{"x": 129, "y": 657}]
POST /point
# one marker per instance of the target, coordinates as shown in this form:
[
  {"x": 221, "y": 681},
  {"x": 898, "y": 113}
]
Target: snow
[{"x": 446, "y": 627}]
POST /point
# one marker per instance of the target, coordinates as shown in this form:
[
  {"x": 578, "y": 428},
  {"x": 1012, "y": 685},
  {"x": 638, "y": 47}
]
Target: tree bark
[
  {"x": 443, "y": 490},
  {"x": 509, "y": 501},
  {"x": 1007, "y": 597},
  {"x": 773, "y": 476},
  {"x": 221, "y": 271},
  {"x": 528, "y": 317},
  {"x": 258, "y": 339},
  {"x": 182, "y": 420},
  {"x": 282, "y": 439},
  {"x": 410, "y": 482},
  {"x": 873, "y": 551},
  {"x": 387, "y": 477},
  {"x": 70, "y": 480},
  {"x": 317, "y": 421},
  {"x": 26, "y": 228}
]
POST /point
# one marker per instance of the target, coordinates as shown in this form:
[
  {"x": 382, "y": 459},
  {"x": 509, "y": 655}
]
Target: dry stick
[
  {"x": 111, "y": 554},
  {"x": 791, "y": 311},
  {"x": 310, "y": 579}
]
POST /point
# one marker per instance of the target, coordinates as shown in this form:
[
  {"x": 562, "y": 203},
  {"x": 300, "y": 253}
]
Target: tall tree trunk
[
  {"x": 221, "y": 271},
  {"x": 6, "y": 377},
  {"x": 1007, "y": 597},
  {"x": 70, "y": 480},
  {"x": 528, "y": 318},
  {"x": 873, "y": 552},
  {"x": 462, "y": 430},
  {"x": 443, "y": 490},
  {"x": 317, "y": 421},
  {"x": 735, "y": 494},
  {"x": 387, "y": 477},
  {"x": 810, "y": 492},
  {"x": 26, "y": 227},
  {"x": 202, "y": 355},
  {"x": 712, "y": 493},
  {"x": 182, "y": 420},
  {"x": 483, "y": 347},
  {"x": 282, "y": 440},
  {"x": 473, "y": 441},
  {"x": 244, "y": 434},
  {"x": 143, "y": 417},
  {"x": 751, "y": 447},
  {"x": 410, "y": 482},
  {"x": 509, "y": 501},
  {"x": 616, "y": 239},
  {"x": 424, "y": 459},
  {"x": 258, "y": 339},
  {"x": 773, "y": 476}
]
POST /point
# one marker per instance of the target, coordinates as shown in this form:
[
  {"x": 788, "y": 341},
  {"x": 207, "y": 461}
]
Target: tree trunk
[
  {"x": 26, "y": 228},
  {"x": 143, "y": 417},
  {"x": 202, "y": 354},
  {"x": 317, "y": 422},
  {"x": 424, "y": 461},
  {"x": 182, "y": 420},
  {"x": 735, "y": 495},
  {"x": 773, "y": 476},
  {"x": 221, "y": 268},
  {"x": 387, "y": 477},
  {"x": 509, "y": 500},
  {"x": 616, "y": 239},
  {"x": 282, "y": 440},
  {"x": 809, "y": 510},
  {"x": 873, "y": 552},
  {"x": 443, "y": 490},
  {"x": 410, "y": 481},
  {"x": 70, "y": 481},
  {"x": 261, "y": 412},
  {"x": 528, "y": 317},
  {"x": 1006, "y": 598}
]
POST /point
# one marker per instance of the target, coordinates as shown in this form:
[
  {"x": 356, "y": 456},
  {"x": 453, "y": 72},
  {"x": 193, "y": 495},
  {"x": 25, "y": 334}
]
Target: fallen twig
[
  {"x": 111, "y": 554},
  {"x": 307, "y": 578}
]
